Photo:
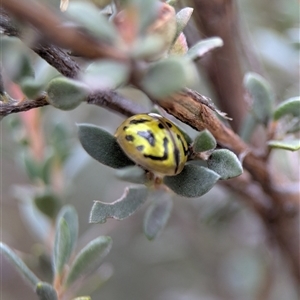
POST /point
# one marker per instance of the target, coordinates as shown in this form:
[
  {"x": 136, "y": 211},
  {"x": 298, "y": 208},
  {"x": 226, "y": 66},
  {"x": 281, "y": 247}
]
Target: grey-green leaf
[
  {"x": 120, "y": 209},
  {"x": 204, "y": 141},
  {"x": 69, "y": 214},
  {"x": 88, "y": 259},
  {"x": 147, "y": 47},
  {"x": 157, "y": 215},
  {"x": 193, "y": 181},
  {"x": 32, "y": 167},
  {"x": 147, "y": 11},
  {"x": 31, "y": 87},
  {"x": 48, "y": 203},
  {"x": 203, "y": 47},
  {"x": 225, "y": 163},
  {"x": 168, "y": 76},
  {"x": 294, "y": 126},
  {"x": 45, "y": 291},
  {"x": 62, "y": 246},
  {"x": 248, "y": 127},
  {"x": 134, "y": 174},
  {"x": 171, "y": 2},
  {"x": 102, "y": 146},
  {"x": 105, "y": 74},
  {"x": 288, "y": 107},
  {"x": 182, "y": 18},
  {"x": 15, "y": 59},
  {"x": 19, "y": 265},
  {"x": 88, "y": 15},
  {"x": 66, "y": 94},
  {"x": 262, "y": 95},
  {"x": 292, "y": 145}
]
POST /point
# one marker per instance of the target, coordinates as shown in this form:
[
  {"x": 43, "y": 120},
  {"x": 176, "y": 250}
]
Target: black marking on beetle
[
  {"x": 129, "y": 138},
  {"x": 183, "y": 147},
  {"x": 161, "y": 126},
  {"x": 140, "y": 148},
  {"x": 148, "y": 135},
  {"x": 161, "y": 158},
  {"x": 125, "y": 128},
  {"x": 169, "y": 124},
  {"x": 139, "y": 121},
  {"x": 176, "y": 154}
]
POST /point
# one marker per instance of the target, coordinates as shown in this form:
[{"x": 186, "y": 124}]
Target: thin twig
[{"x": 14, "y": 106}]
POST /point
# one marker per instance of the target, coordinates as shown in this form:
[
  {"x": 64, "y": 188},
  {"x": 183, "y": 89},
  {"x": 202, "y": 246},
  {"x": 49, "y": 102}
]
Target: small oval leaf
[
  {"x": 147, "y": 47},
  {"x": 15, "y": 59},
  {"x": 31, "y": 87},
  {"x": 157, "y": 215},
  {"x": 203, "y": 47},
  {"x": 66, "y": 94},
  {"x": 182, "y": 18},
  {"x": 120, "y": 209},
  {"x": 168, "y": 76},
  {"x": 288, "y": 107},
  {"x": 102, "y": 146},
  {"x": 193, "y": 181},
  {"x": 248, "y": 127},
  {"x": 48, "y": 203},
  {"x": 292, "y": 145},
  {"x": 262, "y": 95},
  {"x": 69, "y": 214},
  {"x": 147, "y": 10},
  {"x": 32, "y": 167},
  {"x": 45, "y": 291},
  {"x": 88, "y": 259},
  {"x": 134, "y": 174},
  {"x": 87, "y": 15},
  {"x": 19, "y": 265},
  {"x": 225, "y": 163},
  {"x": 62, "y": 246},
  {"x": 105, "y": 74},
  {"x": 204, "y": 141}
]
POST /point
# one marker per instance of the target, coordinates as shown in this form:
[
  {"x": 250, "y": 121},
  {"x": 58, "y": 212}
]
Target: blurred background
[{"x": 213, "y": 247}]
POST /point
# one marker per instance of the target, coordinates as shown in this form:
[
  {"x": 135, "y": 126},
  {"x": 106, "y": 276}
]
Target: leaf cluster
[{"x": 69, "y": 269}]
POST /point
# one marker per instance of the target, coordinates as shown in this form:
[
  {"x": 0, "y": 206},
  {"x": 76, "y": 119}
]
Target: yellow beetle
[{"x": 154, "y": 143}]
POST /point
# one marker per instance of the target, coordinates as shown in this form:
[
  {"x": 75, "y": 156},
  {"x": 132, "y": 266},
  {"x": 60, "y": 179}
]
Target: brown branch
[
  {"x": 13, "y": 106},
  {"x": 108, "y": 99},
  {"x": 58, "y": 59},
  {"x": 61, "y": 61},
  {"x": 115, "y": 102},
  {"x": 219, "y": 18},
  {"x": 51, "y": 26},
  {"x": 54, "y": 55}
]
